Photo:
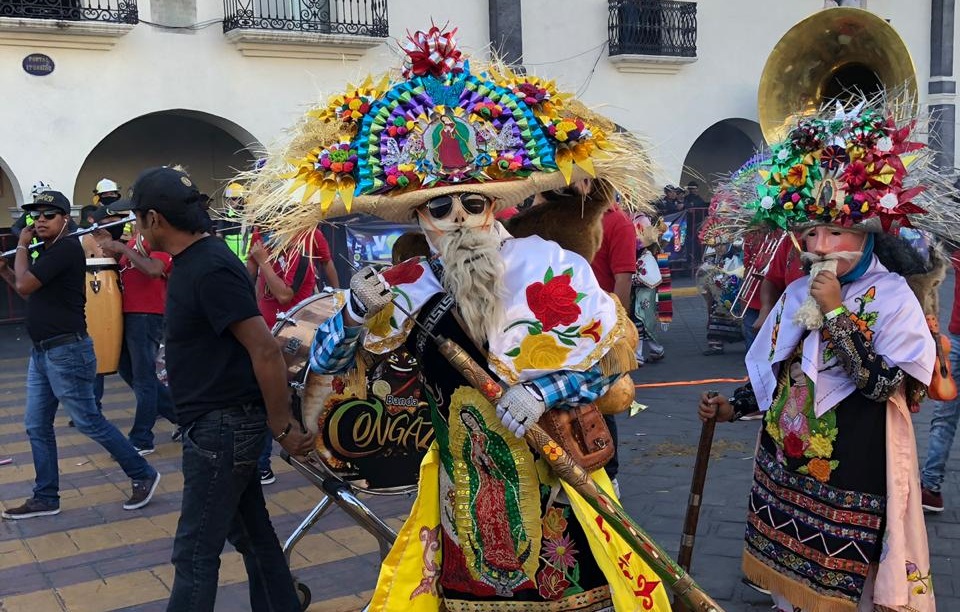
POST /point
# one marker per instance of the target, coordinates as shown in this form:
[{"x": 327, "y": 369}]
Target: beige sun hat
[{"x": 389, "y": 145}]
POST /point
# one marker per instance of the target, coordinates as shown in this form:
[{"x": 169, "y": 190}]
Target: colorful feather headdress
[
  {"x": 392, "y": 143},
  {"x": 865, "y": 168}
]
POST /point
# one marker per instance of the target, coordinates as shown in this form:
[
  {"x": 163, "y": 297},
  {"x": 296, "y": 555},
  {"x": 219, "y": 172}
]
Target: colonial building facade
[{"x": 104, "y": 88}]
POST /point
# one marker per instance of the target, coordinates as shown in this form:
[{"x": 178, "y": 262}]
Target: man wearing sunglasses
[{"x": 62, "y": 363}]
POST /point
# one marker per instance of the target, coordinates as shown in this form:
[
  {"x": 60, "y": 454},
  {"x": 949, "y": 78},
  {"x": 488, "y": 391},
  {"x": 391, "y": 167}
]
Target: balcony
[
  {"x": 314, "y": 29},
  {"x": 66, "y": 24},
  {"x": 654, "y": 36}
]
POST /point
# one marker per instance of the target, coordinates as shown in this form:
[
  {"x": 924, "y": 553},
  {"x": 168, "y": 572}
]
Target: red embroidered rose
[
  {"x": 551, "y": 583},
  {"x": 554, "y": 302},
  {"x": 793, "y": 445},
  {"x": 403, "y": 273}
]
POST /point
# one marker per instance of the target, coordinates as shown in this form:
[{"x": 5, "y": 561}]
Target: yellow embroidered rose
[
  {"x": 820, "y": 446},
  {"x": 774, "y": 430},
  {"x": 553, "y": 523},
  {"x": 379, "y": 325},
  {"x": 540, "y": 352}
]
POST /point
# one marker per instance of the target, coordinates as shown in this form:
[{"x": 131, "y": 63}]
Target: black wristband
[{"x": 284, "y": 433}]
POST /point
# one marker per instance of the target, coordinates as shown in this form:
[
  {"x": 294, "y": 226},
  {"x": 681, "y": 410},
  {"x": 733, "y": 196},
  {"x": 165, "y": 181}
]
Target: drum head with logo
[{"x": 373, "y": 423}]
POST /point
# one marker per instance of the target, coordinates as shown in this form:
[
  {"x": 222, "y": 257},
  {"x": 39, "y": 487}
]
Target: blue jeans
[
  {"x": 943, "y": 426},
  {"x": 65, "y": 374},
  {"x": 138, "y": 368},
  {"x": 223, "y": 500},
  {"x": 263, "y": 463},
  {"x": 750, "y": 317}
]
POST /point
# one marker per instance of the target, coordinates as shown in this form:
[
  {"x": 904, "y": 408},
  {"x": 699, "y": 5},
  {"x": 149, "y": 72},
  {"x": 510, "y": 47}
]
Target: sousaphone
[{"x": 832, "y": 54}]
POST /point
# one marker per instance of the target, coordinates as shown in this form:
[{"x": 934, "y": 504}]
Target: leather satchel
[{"x": 582, "y": 433}]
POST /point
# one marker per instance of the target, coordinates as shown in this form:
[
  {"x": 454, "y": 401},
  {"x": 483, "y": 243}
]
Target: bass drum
[
  {"x": 104, "y": 312},
  {"x": 373, "y": 425}
]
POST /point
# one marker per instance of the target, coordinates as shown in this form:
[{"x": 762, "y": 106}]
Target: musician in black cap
[
  {"x": 62, "y": 363},
  {"x": 229, "y": 385}
]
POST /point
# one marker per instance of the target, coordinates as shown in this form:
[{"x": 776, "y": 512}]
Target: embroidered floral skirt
[{"x": 811, "y": 542}]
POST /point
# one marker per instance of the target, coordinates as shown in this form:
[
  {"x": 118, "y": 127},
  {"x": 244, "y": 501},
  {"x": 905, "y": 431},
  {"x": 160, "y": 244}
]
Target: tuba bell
[{"x": 827, "y": 55}]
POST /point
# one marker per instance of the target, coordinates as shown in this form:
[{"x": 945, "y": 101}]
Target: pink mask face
[{"x": 823, "y": 240}]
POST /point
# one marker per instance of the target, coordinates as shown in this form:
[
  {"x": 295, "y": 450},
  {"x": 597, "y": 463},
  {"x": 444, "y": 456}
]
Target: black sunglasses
[
  {"x": 46, "y": 214},
  {"x": 473, "y": 203}
]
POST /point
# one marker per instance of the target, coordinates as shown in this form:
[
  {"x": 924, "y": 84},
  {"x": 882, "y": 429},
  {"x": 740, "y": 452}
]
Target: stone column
[
  {"x": 942, "y": 87},
  {"x": 506, "y": 30}
]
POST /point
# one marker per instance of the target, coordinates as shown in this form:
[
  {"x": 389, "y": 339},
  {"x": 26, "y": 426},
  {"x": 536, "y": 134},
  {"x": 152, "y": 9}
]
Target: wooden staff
[
  {"x": 683, "y": 586},
  {"x": 692, "y": 517}
]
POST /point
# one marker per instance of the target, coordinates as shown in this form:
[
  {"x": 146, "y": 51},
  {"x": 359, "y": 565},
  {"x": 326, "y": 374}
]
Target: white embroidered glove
[
  {"x": 369, "y": 293},
  {"x": 520, "y": 407}
]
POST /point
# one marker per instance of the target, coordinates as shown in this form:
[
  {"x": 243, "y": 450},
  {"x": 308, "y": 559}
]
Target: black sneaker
[
  {"x": 177, "y": 434},
  {"x": 756, "y": 587},
  {"x": 931, "y": 501},
  {"x": 143, "y": 491},
  {"x": 145, "y": 451},
  {"x": 267, "y": 477},
  {"x": 30, "y": 509}
]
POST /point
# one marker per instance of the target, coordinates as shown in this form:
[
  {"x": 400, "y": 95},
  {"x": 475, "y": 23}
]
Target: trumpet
[
  {"x": 753, "y": 277},
  {"x": 77, "y": 233}
]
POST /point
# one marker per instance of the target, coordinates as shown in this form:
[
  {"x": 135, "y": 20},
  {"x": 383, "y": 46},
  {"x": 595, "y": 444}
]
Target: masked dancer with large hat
[
  {"x": 834, "y": 519},
  {"x": 448, "y": 145}
]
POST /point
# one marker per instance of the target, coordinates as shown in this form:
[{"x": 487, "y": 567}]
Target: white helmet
[
  {"x": 38, "y": 188},
  {"x": 234, "y": 190},
  {"x": 106, "y": 185}
]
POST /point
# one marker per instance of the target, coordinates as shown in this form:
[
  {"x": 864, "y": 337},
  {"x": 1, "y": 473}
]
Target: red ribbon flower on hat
[{"x": 432, "y": 53}]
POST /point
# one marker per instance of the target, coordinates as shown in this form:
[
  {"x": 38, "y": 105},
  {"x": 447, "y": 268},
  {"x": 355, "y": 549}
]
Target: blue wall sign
[{"x": 38, "y": 64}]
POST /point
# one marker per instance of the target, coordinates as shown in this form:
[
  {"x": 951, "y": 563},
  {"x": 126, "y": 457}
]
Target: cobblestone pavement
[{"x": 95, "y": 557}]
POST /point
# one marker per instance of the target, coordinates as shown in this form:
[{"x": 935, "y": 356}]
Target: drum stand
[{"x": 343, "y": 495}]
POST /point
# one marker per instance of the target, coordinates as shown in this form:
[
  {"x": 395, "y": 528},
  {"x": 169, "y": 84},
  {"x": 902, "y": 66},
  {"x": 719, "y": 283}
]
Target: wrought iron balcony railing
[
  {"x": 110, "y": 11},
  {"x": 351, "y": 17},
  {"x": 653, "y": 27}
]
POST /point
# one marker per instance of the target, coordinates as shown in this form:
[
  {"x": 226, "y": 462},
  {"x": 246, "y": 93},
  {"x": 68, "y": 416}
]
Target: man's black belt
[{"x": 61, "y": 340}]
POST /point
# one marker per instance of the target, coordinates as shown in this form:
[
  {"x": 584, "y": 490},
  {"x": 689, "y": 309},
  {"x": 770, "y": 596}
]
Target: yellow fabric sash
[{"x": 409, "y": 575}]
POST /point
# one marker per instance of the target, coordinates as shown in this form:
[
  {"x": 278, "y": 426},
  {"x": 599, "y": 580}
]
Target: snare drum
[
  {"x": 104, "y": 312},
  {"x": 373, "y": 425},
  {"x": 296, "y": 328}
]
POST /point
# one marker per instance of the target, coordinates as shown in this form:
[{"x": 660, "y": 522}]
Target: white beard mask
[{"x": 469, "y": 248}]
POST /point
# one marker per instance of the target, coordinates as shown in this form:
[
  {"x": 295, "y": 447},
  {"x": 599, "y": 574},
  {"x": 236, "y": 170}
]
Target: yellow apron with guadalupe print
[{"x": 409, "y": 575}]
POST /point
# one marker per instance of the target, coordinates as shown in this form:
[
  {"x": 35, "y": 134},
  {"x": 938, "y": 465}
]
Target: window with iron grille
[
  {"x": 653, "y": 27},
  {"x": 111, "y": 11},
  {"x": 350, "y": 17}
]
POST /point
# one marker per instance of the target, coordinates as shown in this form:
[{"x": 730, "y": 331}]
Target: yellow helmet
[{"x": 234, "y": 190}]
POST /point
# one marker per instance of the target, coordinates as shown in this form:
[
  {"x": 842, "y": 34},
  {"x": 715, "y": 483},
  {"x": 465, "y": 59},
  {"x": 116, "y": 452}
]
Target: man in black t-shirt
[
  {"x": 62, "y": 364},
  {"x": 229, "y": 384}
]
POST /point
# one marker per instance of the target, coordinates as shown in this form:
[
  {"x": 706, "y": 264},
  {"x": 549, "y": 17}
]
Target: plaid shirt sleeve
[
  {"x": 568, "y": 388},
  {"x": 334, "y": 346}
]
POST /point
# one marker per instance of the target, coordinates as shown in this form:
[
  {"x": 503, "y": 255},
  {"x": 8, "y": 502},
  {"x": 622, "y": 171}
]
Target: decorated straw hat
[
  {"x": 439, "y": 126},
  {"x": 864, "y": 168}
]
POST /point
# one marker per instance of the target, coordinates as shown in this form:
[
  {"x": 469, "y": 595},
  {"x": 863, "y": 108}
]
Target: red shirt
[
  {"x": 317, "y": 248},
  {"x": 285, "y": 267},
  {"x": 618, "y": 249},
  {"x": 955, "y": 313},
  {"x": 785, "y": 267},
  {"x": 142, "y": 294}
]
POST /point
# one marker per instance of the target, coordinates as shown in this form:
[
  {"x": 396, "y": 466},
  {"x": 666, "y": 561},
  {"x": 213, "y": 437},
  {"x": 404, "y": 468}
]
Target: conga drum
[{"x": 104, "y": 312}]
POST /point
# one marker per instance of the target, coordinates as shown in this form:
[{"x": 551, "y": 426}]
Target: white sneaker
[{"x": 616, "y": 487}]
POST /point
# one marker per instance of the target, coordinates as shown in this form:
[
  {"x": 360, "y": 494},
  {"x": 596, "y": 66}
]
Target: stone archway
[
  {"x": 212, "y": 149},
  {"x": 10, "y": 195},
  {"x": 719, "y": 150}
]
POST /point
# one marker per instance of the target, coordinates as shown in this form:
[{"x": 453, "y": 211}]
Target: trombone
[
  {"x": 78, "y": 233},
  {"x": 753, "y": 278}
]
